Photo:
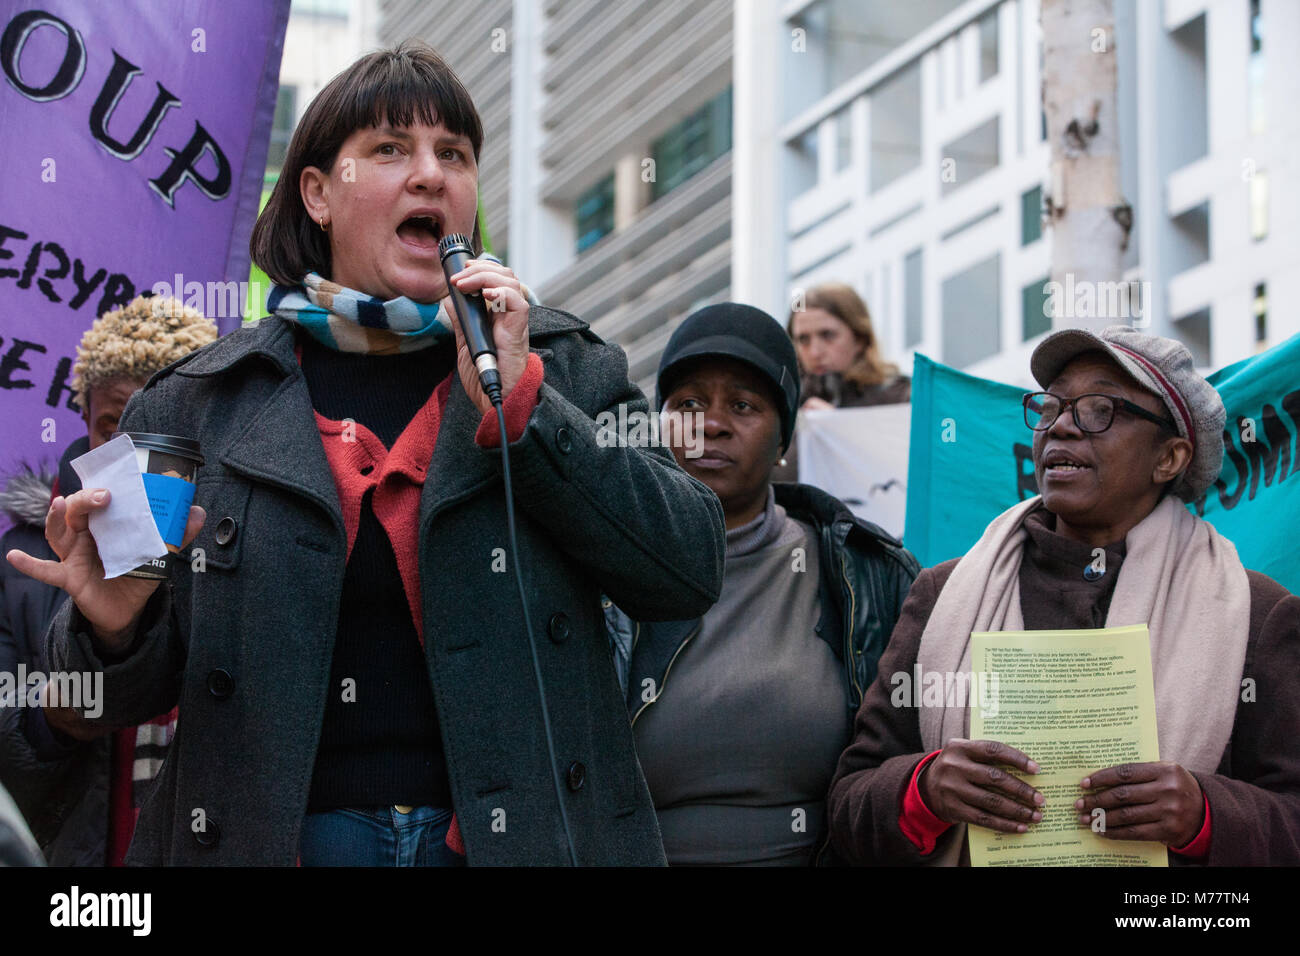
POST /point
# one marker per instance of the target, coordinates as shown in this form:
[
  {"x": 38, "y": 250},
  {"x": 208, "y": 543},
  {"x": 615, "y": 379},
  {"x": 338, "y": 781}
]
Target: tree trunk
[{"x": 1086, "y": 212}]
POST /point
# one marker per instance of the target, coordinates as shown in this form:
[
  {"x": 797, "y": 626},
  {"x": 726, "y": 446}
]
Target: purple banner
[{"x": 133, "y": 139}]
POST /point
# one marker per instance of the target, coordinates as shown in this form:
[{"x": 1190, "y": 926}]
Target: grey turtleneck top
[{"x": 740, "y": 747}]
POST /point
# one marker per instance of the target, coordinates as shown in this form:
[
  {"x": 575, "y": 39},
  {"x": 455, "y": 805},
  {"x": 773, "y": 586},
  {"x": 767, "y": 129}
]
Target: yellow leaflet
[{"x": 1076, "y": 702}]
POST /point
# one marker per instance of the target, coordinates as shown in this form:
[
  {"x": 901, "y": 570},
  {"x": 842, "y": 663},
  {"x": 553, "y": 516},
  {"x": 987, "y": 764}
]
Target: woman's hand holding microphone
[{"x": 506, "y": 304}]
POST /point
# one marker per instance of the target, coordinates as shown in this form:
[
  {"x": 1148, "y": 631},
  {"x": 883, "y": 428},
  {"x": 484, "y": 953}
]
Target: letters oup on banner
[{"x": 135, "y": 149}]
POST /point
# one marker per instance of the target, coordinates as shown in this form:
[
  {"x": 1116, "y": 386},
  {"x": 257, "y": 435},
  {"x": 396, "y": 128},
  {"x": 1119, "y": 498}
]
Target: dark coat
[
  {"x": 1254, "y": 794},
  {"x": 245, "y": 645},
  {"x": 17, "y": 847},
  {"x": 63, "y": 793}
]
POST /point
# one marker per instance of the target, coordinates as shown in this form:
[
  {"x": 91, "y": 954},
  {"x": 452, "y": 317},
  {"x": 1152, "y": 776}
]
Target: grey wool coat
[{"x": 245, "y": 645}]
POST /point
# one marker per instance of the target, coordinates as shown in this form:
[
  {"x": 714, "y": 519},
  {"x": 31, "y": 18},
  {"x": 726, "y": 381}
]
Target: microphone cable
[
  {"x": 495, "y": 395},
  {"x": 454, "y": 250}
]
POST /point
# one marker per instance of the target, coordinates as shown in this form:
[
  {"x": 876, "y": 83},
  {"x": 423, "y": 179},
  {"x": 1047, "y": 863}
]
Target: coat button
[
  {"x": 577, "y": 775},
  {"x": 220, "y": 684},
  {"x": 210, "y": 835},
  {"x": 226, "y": 530},
  {"x": 563, "y": 441},
  {"x": 559, "y": 627}
]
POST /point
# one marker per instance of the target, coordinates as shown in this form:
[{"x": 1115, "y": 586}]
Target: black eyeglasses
[{"x": 1093, "y": 412}]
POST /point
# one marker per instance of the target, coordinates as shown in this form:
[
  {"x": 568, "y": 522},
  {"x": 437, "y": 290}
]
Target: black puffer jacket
[{"x": 65, "y": 800}]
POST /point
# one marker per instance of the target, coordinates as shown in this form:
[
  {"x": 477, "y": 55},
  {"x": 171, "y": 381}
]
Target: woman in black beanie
[{"x": 740, "y": 715}]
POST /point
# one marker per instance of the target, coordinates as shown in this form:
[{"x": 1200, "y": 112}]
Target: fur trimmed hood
[{"x": 25, "y": 497}]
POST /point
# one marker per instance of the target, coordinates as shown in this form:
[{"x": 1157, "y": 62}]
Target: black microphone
[{"x": 472, "y": 311}]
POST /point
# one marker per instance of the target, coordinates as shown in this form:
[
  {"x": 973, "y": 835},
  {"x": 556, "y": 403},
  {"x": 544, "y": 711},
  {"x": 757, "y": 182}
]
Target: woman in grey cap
[
  {"x": 1125, "y": 433},
  {"x": 740, "y": 715}
]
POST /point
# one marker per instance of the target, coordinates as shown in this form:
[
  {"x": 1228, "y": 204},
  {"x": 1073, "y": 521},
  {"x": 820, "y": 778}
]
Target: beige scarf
[{"x": 1180, "y": 577}]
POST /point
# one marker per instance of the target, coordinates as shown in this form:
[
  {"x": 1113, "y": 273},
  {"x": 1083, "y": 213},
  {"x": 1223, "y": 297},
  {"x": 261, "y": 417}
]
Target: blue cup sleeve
[{"x": 169, "y": 499}]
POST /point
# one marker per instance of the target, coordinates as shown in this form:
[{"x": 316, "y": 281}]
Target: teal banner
[{"x": 970, "y": 460}]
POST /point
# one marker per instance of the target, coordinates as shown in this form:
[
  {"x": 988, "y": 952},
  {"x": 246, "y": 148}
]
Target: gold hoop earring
[{"x": 322, "y": 224}]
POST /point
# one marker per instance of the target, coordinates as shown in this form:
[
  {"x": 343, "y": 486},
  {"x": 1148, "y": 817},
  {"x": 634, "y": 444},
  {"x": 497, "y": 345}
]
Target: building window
[
  {"x": 1031, "y": 216},
  {"x": 801, "y": 164},
  {"x": 594, "y": 213},
  {"x": 913, "y": 316},
  {"x": 972, "y": 311},
  {"x": 1194, "y": 332},
  {"x": 988, "y": 27},
  {"x": 1260, "y": 308},
  {"x": 895, "y": 127},
  {"x": 832, "y": 41},
  {"x": 1255, "y": 69},
  {"x": 1034, "y": 316},
  {"x": 286, "y": 110},
  {"x": 692, "y": 144},
  {"x": 843, "y": 139},
  {"x": 1259, "y": 206},
  {"x": 969, "y": 157}
]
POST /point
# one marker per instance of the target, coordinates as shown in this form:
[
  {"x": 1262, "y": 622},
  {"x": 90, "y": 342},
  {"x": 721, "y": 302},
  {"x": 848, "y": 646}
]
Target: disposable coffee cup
[{"x": 169, "y": 465}]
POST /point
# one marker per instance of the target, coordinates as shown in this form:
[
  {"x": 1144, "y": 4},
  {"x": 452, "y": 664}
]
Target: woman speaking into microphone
[{"x": 350, "y": 657}]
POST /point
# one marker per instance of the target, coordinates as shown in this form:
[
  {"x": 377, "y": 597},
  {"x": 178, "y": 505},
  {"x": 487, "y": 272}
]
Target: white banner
[{"x": 859, "y": 455}]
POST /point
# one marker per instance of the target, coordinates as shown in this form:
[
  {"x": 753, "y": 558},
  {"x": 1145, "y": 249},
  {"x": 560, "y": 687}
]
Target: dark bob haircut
[{"x": 408, "y": 84}]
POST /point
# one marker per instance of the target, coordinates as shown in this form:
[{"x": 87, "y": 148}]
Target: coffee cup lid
[{"x": 171, "y": 444}]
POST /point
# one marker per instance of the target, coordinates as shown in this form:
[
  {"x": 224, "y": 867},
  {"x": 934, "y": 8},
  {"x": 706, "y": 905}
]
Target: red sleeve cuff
[
  {"x": 518, "y": 407},
  {"x": 916, "y": 821},
  {"x": 1199, "y": 848}
]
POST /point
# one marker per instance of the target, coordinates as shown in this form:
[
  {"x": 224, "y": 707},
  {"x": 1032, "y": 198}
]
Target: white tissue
[{"x": 125, "y": 532}]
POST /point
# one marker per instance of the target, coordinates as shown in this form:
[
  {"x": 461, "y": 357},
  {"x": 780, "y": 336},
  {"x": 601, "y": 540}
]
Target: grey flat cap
[{"x": 1164, "y": 367}]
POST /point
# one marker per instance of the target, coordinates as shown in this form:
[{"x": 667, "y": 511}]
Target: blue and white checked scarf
[{"x": 348, "y": 321}]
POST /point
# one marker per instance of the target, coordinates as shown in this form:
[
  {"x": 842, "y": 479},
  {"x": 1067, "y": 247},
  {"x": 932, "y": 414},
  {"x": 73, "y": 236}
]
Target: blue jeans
[{"x": 378, "y": 836}]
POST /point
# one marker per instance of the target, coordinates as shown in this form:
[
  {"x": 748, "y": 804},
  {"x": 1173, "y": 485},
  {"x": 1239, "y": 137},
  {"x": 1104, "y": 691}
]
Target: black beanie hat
[{"x": 741, "y": 332}]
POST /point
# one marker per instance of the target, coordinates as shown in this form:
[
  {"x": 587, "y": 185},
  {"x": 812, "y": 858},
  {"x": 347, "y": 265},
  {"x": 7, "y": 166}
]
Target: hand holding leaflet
[{"x": 1074, "y": 701}]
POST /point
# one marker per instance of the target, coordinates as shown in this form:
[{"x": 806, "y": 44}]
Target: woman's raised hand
[{"x": 113, "y": 607}]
